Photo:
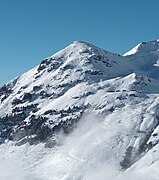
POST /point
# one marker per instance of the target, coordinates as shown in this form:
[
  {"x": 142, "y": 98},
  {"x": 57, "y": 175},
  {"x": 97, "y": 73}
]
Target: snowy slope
[
  {"x": 84, "y": 113},
  {"x": 144, "y": 47}
]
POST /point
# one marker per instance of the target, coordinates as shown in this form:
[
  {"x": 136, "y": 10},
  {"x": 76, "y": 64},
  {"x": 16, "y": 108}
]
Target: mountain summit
[
  {"x": 81, "y": 110},
  {"x": 144, "y": 47}
]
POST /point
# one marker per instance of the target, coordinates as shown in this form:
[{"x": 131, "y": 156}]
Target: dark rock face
[
  {"x": 5, "y": 91},
  {"x": 37, "y": 128},
  {"x": 49, "y": 64}
]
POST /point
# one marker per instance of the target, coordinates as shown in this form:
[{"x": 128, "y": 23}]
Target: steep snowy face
[
  {"x": 94, "y": 107},
  {"x": 90, "y": 61},
  {"x": 58, "y": 91},
  {"x": 55, "y": 91}
]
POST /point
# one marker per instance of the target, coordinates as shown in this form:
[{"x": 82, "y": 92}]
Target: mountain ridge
[{"x": 144, "y": 46}]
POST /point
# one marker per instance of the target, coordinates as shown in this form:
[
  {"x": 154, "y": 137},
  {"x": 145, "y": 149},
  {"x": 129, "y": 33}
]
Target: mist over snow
[{"x": 83, "y": 154}]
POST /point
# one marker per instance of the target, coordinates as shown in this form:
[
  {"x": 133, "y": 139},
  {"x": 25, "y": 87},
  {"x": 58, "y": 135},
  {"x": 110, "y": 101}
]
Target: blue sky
[{"x": 31, "y": 30}]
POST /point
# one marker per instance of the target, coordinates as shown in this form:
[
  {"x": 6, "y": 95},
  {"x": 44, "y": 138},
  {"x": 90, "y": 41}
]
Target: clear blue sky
[{"x": 33, "y": 29}]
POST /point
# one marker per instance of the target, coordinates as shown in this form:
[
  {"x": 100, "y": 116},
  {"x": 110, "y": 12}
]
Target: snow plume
[
  {"x": 82, "y": 153},
  {"x": 85, "y": 154}
]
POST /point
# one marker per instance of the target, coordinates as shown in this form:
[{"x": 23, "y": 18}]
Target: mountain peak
[
  {"x": 144, "y": 47},
  {"x": 84, "y": 45},
  {"x": 106, "y": 102},
  {"x": 77, "y": 42},
  {"x": 74, "y": 47}
]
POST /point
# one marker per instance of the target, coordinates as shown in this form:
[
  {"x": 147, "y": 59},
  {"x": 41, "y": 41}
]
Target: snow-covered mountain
[{"x": 83, "y": 113}]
